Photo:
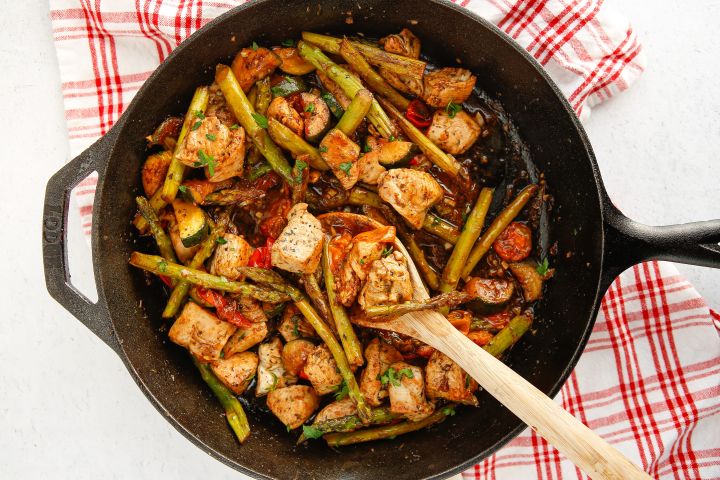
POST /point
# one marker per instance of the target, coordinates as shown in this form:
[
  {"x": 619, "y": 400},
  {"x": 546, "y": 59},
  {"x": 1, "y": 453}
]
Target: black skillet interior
[{"x": 556, "y": 144}]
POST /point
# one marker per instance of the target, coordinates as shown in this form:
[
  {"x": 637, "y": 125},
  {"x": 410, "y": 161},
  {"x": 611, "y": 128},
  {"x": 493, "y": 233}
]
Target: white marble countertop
[{"x": 68, "y": 408}]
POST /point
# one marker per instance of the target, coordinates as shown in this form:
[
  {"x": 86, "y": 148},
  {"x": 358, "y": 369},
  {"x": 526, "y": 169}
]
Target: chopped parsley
[
  {"x": 295, "y": 331},
  {"x": 362, "y": 261},
  {"x": 392, "y": 138},
  {"x": 393, "y": 377},
  {"x": 366, "y": 148},
  {"x": 206, "y": 160},
  {"x": 448, "y": 411},
  {"x": 221, "y": 241},
  {"x": 467, "y": 381},
  {"x": 261, "y": 120},
  {"x": 300, "y": 166},
  {"x": 342, "y": 391},
  {"x": 211, "y": 137},
  {"x": 310, "y": 108},
  {"x": 185, "y": 193},
  {"x": 345, "y": 167},
  {"x": 386, "y": 251},
  {"x": 452, "y": 109},
  {"x": 162, "y": 266},
  {"x": 543, "y": 267},
  {"x": 311, "y": 432},
  {"x": 255, "y": 46},
  {"x": 234, "y": 126},
  {"x": 199, "y": 114},
  {"x": 323, "y": 148},
  {"x": 183, "y": 189},
  {"x": 196, "y": 125},
  {"x": 275, "y": 382},
  {"x": 288, "y": 43}
]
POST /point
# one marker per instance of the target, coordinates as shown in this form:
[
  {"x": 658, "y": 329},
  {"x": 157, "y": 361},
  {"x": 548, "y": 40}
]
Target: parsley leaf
[
  {"x": 392, "y": 138},
  {"x": 288, "y": 43},
  {"x": 387, "y": 251},
  {"x": 186, "y": 193},
  {"x": 300, "y": 166},
  {"x": 275, "y": 382},
  {"x": 345, "y": 167},
  {"x": 342, "y": 391},
  {"x": 221, "y": 241},
  {"x": 295, "y": 331},
  {"x": 255, "y": 46},
  {"x": 199, "y": 114},
  {"x": 162, "y": 266},
  {"x": 323, "y": 148},
  {"x": 183, "y": 189},
  {"x": 206, "y": 161},
  {"x": 261, "y": 120},
  {"x": 310, "y": 107},
  {"x": 211, "y": 137},
  {"x": 234, "y": 126},
  {"x": 543, "y": 267},
  {"x": 448, "y": 411},
  {"x": 196, "y": 125},
  {"x": 311, "y": 432},
  {"x": 452, "y": 109},
  {"x": 366, "y": 148},
  {"x": 393, "y": 377}
]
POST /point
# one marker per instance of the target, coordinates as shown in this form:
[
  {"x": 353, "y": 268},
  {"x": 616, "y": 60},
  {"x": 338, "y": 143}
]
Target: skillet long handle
[{"x": 577, "y": 442}]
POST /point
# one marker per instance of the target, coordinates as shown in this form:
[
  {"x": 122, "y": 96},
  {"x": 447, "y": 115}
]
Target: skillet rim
[{"x": 148, "y": 86}]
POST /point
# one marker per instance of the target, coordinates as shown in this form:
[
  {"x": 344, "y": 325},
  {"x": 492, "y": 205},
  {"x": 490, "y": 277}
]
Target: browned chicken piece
[
  {"x": 378, "y": 357},
  {"x": 295, "y": 354},
  {"x": 293, "y": 405},
  {"x": 251, "y": 309},
  {"x": 281, "y": 110},
  {"x": 339, "y": 409},
  {"x": 271, "y": 373},
  {"x": 445, "y": 379},
  {"x": 299, "y": 247},
  {"x": 363, "y": 250},
  {"x": 154, "y": 170},
  {"x": 245, "y": 338},
  {"x": 230, "y": 257},
  {"x": 333, "y": 88},
  {"x": 404, "y": 43},
  {"x": 407, "y": 391},
  {"x": 454, "y": 135},
  {"x": 341, "y": 154},
  {"x": 369, "y": 168},
  {"x": 294, "y": 326},
  {"x": 211, "y": 142},
  {"x": 201, "y": 332},
  {"x": 237, "y": 371},
  {"x": 409, "y": 84},
  {"x": 387, "y": 283},
  {"x": 218, "y": 107},
  {"x": 183, "y": 253},
  {"x": 447, "y": 85},
  {"x": 321, "y": 370},
  {"x": 253, "y": 64},
  {"x": 410, "y": 192}
]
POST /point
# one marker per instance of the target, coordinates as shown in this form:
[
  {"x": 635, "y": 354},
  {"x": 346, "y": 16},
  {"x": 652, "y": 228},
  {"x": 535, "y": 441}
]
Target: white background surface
[{"x": 68, "y": 409}]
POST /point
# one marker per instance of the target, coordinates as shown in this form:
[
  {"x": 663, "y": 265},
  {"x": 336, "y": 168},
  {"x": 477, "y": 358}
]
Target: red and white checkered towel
[{"x": 649, "y": 380}]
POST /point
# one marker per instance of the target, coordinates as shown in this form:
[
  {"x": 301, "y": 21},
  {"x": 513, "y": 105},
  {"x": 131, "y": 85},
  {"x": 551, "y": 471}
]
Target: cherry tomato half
[
  {"x": 419, "y": 114},
  {"x": 514, "y": 243}
]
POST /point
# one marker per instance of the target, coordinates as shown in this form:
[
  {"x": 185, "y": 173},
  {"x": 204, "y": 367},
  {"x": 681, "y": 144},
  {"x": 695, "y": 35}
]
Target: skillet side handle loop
[{"x": 54, "y": 240}]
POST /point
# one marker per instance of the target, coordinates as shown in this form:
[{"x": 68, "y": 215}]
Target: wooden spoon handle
[{"x": 577, "y": 442}]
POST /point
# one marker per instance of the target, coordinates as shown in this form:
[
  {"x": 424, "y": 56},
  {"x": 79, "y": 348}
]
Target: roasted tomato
[
  {"x": 419, "y": 114},
  {"x": 514, "y": 243},
  {"x": 261, "y": 256}
]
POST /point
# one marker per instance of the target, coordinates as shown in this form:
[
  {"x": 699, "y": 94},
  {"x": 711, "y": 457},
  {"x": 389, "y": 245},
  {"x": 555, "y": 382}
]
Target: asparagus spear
[
  {"x": 444, "y": 300},
  {"x": 259, "y": 170},
  {"x": 295, "y": 144},
  {"x": 348, "y": 338},
  {"x": 348, "y": 423},
  {"x": 163, "y": 241},
  {"x": 433, "y": 152},
  {"x": 183, "y": 287},
  {"x": 248, "y": 118},
  {"x": 496, "y": 227},
  {"x": 470, "y": 232},
  {"x": 160, "y": 266},
  {"x": 355, "y": 112},
  {"x": 404, "y": 66},
  {"x": 234, "y": 413},
  {"x": 379, "y": 85},
  {"x": 176, "y": 171},
  {"x": 264, "y": 96},
  {"x": 441, "y": 228},
  {"x": 349, "y": 84},
  {"x": 312, "y": 288},
  {"x": 509, "y": 335},
  {"x": 157, "y": 203},
  {"x": 388, "y": 431},
  {"x": 274, "y": 280}
]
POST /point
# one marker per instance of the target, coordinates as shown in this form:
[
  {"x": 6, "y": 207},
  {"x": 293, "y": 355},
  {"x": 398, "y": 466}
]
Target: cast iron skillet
[{"x": 605, "y": 242}]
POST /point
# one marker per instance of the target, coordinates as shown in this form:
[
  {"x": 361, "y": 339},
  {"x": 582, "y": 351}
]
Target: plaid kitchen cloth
[{"x": 649, "y": 379}]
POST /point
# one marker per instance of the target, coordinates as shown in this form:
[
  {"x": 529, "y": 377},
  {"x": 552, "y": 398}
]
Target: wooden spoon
[{"x": 566, "y": 433}]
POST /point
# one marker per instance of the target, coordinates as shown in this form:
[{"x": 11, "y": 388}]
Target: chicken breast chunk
[
  {"x": 211, "y": 142},
  {"x": 387, "y": 283},
  {"x": 237, "y": 371},
  {"x": 404, "y": 43},
  {"x": 445, "y": 379},
  {"x": 410, "y": 192},
  {"x": 409, "y": 84},
  {"x": 369, "y": 168},
  {"x": 299, "y": 247},
  {"x": 293, "y": 405},
  {"x": 447, "y": 85},
  {"x": 154, "y": 171},
  {"x": 454, "y": 135},
  {"x": 201, "y": 332},
  {"x": 231, "y": 256},
  {"x": 378, "y": 357},
  {"x": 295, "y": 354},
  {"x": 245, "y": 338},
  {"x": 341, "y": 154},
  {"x": 183, "y": 253},
  {"x": 407, "y": 391},
  {"x": 321, "y": 370},
  {"x": 271, "y": 373},
  {"x": 339, "y": 409},
  {"x": 281, "y": 110},
  {"x": 294, "y": 326}
]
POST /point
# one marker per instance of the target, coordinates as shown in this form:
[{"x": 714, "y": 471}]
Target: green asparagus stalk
[
  {"x": 355, "y": 112},
  {"x": 295, "y": 144},
  {"x": 163, "y": 241},
  {"x": 444, "y": 161},
  {"x": 388, "y": 431},
  {"x": 233, "y": 196},
  {"x": 348, "y": 338},
  {"x": 496, "y": 227},
  {"x": 259, "y": 170},
  {"x": 157, "y": 203},
  {"x": 176, "y": 171},
  {"x": 264, "y": 96},
  {"x": 470, "y": 233},
  {"x": 312, "y": 288},
  {"x": 398, "y": 64},
  {"x": 349, "y": 84},
  {"x": 234, "y": 412},
  {"x": 378, "y": 84},
  {"x": 160, "y": 266},
  {"x": 348, "y": 423},
  {"x": 360, "y": 196},
  {"x": 444, "y": 300},
  {"x": 509, "y": 335},
  {"x": 441, "y": 228},
  {"x": 177, "y": 296},
  {"x": 244, "y": 111}
]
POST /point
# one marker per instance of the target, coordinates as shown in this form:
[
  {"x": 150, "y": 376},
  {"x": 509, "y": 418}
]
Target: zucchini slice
[
  {"x": 333, "y": 105},
  {"x": 489, "y": 294},
  {"x": 317, "y": 116},
  {"x": 394, "y": 153},
  {"x": 287, "y": 86},
  {"x": 529, "y": 279},
  {"x": 192, "y": 224}
]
